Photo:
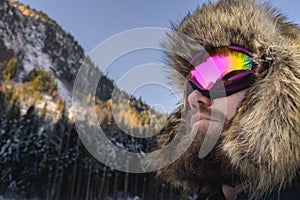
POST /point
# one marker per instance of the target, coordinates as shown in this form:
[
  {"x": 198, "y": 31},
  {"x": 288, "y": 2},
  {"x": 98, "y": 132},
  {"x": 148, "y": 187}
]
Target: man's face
[
  {"x": 206, "y": 117},
  {"x": 214, "y": 73},
  {"x": 226, "y": 106},
  {"x": 217, "y": 114}
]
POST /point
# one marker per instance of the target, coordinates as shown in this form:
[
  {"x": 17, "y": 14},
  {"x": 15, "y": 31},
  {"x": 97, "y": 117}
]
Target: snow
[
  {"x": 108, "y": 198},
  {"x": 64, "y": 93},
  {"x": 2, "y": 198},
  {"x": 34, "y": 57},
  {"x": 31, "y": 43},
  {"x": 27, "y": 40}
]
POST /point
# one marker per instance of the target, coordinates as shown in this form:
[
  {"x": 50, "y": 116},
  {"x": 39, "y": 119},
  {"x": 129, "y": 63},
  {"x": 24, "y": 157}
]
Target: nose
[{"x": 195, "y": 98}]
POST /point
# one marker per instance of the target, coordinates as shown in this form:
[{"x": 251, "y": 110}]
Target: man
[{"x": 239, "y": 66}]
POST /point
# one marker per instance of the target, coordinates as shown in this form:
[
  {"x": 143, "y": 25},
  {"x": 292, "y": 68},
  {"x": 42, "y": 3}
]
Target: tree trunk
[
  {"x": 171, "y": 193},
  {"x": 78, "y": 183},
  {"x": 144, "y": 188},
  {"x": 106, "y": 193},
  {"x": 74, "y": 171},
  {"x": 67, "y": 130},
  {"x": 162, "y": 192},
  {"x": 136, "y": 184},
  {"x": 59, "y": 185},
  {"x": 87, "y": 194},
  {"x": 48, "y": 187},
  {"x": 116, "y": 186},
  {"x": 54, "y": 183},
  {"x": 101, "y": 192},
  {"x": 126, "y": 185}
]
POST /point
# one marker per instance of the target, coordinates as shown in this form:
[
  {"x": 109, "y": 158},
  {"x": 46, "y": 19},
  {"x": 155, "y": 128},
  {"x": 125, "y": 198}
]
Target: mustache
[{"x": 213, "y": 114}]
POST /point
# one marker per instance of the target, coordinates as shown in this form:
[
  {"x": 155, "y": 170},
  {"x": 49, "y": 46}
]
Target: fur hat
[{"x": 263, "y": 141}]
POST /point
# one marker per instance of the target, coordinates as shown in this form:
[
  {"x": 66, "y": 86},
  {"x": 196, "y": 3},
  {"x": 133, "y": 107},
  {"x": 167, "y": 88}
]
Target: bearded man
[{"x": 239, "y": 70}]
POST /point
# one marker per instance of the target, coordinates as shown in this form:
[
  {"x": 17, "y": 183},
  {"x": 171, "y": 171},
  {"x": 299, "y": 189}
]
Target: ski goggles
[{"x": 220, "y": 72}]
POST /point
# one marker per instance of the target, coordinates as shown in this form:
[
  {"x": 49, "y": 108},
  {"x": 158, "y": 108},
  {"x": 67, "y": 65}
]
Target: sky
[{"x": 92, "y": 22}]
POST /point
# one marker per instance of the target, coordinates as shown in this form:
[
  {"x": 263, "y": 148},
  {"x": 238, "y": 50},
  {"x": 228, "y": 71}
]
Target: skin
[{"x": 228, "y": 106}]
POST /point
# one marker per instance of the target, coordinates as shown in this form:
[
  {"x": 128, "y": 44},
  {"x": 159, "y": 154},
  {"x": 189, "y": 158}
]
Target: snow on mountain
[
  {"x": 27, "y": 38},
  {"x": 39, "y": 42},
  {"x": 64, "y": 93}
]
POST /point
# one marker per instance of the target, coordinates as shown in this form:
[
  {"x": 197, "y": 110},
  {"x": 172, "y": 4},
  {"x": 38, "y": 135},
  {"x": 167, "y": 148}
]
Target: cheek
[
  {"x": 225, "y": 106},
  {"x": 233, "y": 102},
  {"x": 221, "y": 105},
  {"x": 229, "y": 105},
  {"x": 231, "y": 111}
]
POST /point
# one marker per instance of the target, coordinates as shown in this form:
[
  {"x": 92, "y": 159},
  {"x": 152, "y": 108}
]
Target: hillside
[{"x": 41, "y": 155}]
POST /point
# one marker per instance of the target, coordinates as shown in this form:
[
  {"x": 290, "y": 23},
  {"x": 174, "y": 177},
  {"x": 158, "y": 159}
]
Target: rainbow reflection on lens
[
  {"x": 220, "y": 72},
  {"x": 220, "y": 63}
]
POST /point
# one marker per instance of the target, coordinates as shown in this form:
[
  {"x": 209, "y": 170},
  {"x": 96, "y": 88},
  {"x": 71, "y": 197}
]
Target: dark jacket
[{"x": 291, "y": 192}]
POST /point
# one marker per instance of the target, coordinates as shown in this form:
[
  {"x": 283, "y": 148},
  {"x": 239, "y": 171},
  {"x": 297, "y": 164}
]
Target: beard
[{"x": 205, "y": 175}]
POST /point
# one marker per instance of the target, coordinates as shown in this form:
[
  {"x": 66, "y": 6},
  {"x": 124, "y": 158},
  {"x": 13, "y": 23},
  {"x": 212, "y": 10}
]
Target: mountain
[
  {"x": 39, "y": 42},
  {"x": 41, "y": 155}
]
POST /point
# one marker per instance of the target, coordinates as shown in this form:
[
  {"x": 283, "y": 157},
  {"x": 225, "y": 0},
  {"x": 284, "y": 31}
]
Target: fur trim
[
  {"x": 263, "y": 142},
  {"x": 166, "y": 135}
]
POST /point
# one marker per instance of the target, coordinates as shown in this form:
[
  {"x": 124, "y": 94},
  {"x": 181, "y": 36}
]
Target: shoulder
[{"x": 290, "y": 192}]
